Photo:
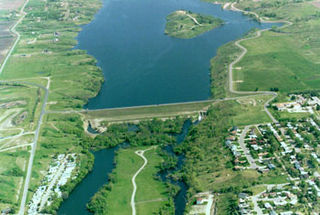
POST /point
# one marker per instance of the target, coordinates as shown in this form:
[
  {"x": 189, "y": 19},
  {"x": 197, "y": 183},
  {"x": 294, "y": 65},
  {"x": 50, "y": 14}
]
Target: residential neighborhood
[{"x": 290, "y": 151}]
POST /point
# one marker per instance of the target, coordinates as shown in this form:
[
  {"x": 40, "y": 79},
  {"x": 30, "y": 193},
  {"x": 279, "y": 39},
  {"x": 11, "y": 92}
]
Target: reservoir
[{"x": 141, "y": 65}]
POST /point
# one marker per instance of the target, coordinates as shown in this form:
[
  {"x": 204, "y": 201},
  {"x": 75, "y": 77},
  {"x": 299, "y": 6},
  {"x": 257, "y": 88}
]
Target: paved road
[
  {"x": 250, "y": 159},
  {"x": 139, "y": 153},
  {"x": 34, "y": 142}
]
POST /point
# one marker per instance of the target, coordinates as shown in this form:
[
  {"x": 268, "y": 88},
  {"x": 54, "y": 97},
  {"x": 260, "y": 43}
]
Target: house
[
  {"x": 231, "y": 138},
  {"x": 200, "y": 201},
  {"x": 273, "y": 213},
  {"x": 242, "y": 195},
  {"x": 267, "y": 205},
  {"x": 271, "y": 166},
  {"x": 286, "y": 213}
]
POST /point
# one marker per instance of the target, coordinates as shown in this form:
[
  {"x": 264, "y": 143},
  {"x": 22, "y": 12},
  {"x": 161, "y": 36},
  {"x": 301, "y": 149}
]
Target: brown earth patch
[
  {"x": 10, "y": 4},
  {"x": 316, "y": 4}
]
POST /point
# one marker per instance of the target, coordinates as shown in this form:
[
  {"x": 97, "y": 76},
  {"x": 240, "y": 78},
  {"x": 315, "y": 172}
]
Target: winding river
[{"x": 143, "y": 66}]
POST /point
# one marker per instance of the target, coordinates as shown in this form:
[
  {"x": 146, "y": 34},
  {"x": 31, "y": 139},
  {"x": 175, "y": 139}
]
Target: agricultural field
[{"x": 186, "y": 25}]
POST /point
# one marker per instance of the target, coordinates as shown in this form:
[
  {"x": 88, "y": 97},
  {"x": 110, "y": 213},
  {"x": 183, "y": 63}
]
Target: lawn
[
  {"x": 120, "y": 187},
  {"x": 250, "y": 110},
  {"x": 149, "y": 188}
]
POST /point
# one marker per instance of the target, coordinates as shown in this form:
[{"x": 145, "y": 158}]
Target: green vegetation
[
  {"x": 185, "y": 24},
  {"x": 61, "y": 134},
  {"x": 151, "y": 196},
  {"x": 45, "y": 50},
  {"x": 12, "y": 169},
  {"x": 219, "y": 70},
  {"x": 285, "y": 58},
  {"x": 249, "y": 110},
  {"x": 209, "y": 164}
]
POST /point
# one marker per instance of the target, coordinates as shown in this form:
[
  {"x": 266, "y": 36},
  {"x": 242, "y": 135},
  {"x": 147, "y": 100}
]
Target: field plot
[
  {"x": 8, "y": 11},
  {"x": 10, "y": 4}
]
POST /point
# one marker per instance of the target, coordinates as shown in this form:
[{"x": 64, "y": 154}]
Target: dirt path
[
  {"x": 140, "y": 154},
  {"x": 194, "y": 19}
]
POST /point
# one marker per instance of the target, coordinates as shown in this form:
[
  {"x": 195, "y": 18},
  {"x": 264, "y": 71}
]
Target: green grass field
[
  {"x": 287, "y": 59},
  {"x": 151, "y": 193},
  {"x": 250, "y": 110},
  {"x": 185, "y": 24},
  {"x": 12, "y": 172}
]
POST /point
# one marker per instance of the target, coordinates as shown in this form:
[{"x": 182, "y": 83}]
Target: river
[{"x": 81, "y": 195}]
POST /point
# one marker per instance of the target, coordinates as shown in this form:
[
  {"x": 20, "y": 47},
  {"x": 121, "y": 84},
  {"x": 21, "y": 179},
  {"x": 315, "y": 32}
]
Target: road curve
[
  {"x": 133, "y": 180},
  {"x": 244, "y": 52}
]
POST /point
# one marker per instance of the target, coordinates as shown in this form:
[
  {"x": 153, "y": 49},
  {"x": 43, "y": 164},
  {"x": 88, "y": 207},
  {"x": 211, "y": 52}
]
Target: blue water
[
  {"x": 142, "y": 65},
  {"x": 75, "y": 204}
]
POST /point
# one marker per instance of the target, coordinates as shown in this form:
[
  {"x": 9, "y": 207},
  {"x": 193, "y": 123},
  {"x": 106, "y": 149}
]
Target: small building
[
  {"x": 243, "y": 195},
  {"x": 271, "y": 166},
  {"x": 200, "y": 201}
]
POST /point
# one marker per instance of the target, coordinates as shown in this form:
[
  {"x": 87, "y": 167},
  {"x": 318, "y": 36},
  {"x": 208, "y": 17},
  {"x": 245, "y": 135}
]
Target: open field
[
  {"x": 185, "y": 24},
  {"x": 287, "y": 59},
  {"x": 151, "y": 193},
  {"x": 250, "y": 111},
  {"x": 12, "y": 171}
]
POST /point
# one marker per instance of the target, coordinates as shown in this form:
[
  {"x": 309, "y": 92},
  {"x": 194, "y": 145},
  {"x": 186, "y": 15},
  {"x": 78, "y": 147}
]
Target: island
[{"x": 186, "y": 25}]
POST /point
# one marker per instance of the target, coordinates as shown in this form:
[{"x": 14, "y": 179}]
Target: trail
[
  {"x": 13, "y": 30},
  {"x": 139, "y": 153},
  {"x": 194, "y": 19}
]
